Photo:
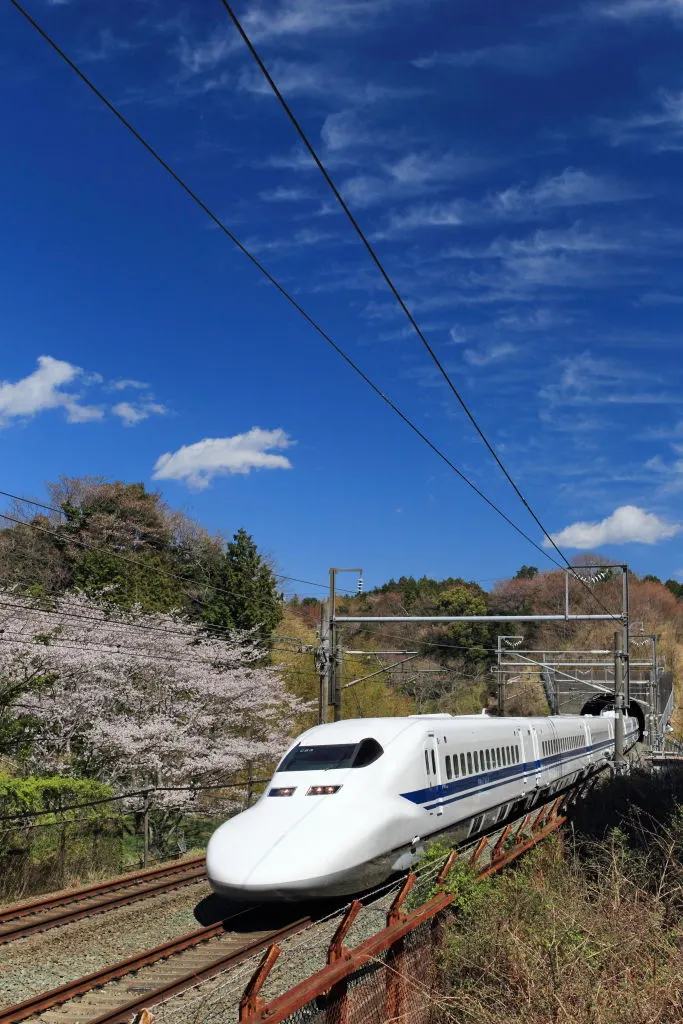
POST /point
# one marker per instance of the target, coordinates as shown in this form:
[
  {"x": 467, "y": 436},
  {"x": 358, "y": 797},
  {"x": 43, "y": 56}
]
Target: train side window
[
  {"x": 481, "y": 760},
  {"x": 455, "y": 765},
  {"x": 463, "y": 769},
  {"x": 433, "y": 762},
  {"x": 469, "y": 763},
  {"x": 427, "y": 761},
  {"x": 488, "y": 760},
  {"x": 476, "y": 761},
  {"x": 449, "y": 773},
  {"x": 497, "y": 753},
  {"x": 516, "y": 755}
]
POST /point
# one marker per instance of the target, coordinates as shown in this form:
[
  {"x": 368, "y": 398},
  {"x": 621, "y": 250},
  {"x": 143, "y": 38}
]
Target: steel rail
[
  {"x": 343, "y": 962},
  {"x": 137, "y": 890},
  {"x": 80, "y": 986},
  {"x": 86, "y": 891}
]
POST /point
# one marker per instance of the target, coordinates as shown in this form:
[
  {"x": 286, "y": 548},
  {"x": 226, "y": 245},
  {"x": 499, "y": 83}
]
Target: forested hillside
[{"x": 139, "y": 652}]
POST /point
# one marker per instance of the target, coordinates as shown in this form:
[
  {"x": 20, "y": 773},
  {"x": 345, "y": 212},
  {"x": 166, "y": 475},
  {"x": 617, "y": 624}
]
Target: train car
[{"x": 353, "y": 802}]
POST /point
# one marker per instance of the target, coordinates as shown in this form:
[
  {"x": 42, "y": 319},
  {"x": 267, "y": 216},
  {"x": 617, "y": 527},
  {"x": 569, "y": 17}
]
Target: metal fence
[{"x": 394, "y": 974}]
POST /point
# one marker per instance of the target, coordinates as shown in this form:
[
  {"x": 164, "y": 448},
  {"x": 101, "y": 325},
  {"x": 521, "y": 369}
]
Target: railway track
[
  {"x": 112, "y": 995},
  {"x": 38, "y": 916}
]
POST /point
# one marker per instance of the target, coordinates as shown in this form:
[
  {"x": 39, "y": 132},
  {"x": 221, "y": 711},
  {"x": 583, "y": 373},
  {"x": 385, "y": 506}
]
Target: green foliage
[
  {"x": 17, "y": 731},
  {"x": 473, "y": 638},
  {"x": 104, "y": 576},
  {"x": 120, "y": 543},
  {"x": 461, "y": 881},
  {"x": 526, "y": 572},
  {"x": 246, "y": 593},
  {"x": 675, "y": 587},
  {"x": 48, "y": 793}
]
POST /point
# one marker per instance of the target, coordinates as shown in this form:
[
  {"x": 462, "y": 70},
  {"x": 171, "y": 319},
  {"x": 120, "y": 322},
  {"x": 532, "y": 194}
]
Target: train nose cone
[{"x": 246, "y": 860}]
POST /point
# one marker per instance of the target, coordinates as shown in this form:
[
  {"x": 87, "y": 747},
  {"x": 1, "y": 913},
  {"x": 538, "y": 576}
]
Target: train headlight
[
  {"x": 282, "y": 791},
  {"x": 322, "y": 790}
]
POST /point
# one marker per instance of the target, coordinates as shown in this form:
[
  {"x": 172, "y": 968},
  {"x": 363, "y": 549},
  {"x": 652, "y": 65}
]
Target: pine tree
[{"x": 245, "y": 594}]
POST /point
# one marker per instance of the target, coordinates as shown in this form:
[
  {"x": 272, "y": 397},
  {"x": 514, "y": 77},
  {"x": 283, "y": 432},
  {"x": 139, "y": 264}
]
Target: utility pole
[
  {"x": 334, "y": 654},
  {"x": 621, "y": 695},
  {"x": 322, "y": 655}
]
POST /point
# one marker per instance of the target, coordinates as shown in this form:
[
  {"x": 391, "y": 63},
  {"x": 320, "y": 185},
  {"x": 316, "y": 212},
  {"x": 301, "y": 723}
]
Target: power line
[
  {"x": 112, "y": 650},
  {"x": 59, "y": 511},
  {"x": 392, "y": 287},
  {"x": 269, "y": 277},
  {"x": 135, "y": 562}
]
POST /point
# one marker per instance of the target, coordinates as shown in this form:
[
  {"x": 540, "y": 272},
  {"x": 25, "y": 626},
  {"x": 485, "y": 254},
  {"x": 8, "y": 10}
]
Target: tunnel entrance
[{"x": 601, "y": 701}]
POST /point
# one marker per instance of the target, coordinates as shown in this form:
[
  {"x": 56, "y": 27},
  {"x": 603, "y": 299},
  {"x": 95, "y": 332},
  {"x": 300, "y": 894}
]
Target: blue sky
[{"x": 517, "y": 167}]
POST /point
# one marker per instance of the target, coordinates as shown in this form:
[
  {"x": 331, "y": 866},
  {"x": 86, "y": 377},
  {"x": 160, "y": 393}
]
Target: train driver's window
[
  {"x": 469, "y": 763},
  {"x": 488, "y": 760},
  {"x": 427, "y": 761},
  {"x": 368, "y": 751},
  {"x": 449, "y": 773}
]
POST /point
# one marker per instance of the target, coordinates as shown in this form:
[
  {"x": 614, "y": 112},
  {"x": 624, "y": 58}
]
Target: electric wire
[
  {"x": 209, "y": 627},
  {"x": 392, "y": 287},
  {"x": 273, "y": 280},
  {"x": 59, "y": 511}
]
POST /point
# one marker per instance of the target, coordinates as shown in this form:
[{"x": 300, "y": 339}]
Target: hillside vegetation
[
  {"x": 588, "y": 931},
  {"x": 141, "y": 651}
]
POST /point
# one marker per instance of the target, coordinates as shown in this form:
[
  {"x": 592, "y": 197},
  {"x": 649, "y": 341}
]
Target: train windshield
[
  {"x": 331, "y": 755},
  {"x": 308, "y": 759}
]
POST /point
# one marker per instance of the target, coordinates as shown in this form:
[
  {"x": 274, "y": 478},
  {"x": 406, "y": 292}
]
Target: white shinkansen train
[{"x": 353, "y": 802}]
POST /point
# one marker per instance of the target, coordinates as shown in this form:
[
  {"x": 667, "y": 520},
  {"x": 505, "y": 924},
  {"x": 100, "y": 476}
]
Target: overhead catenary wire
[
  {"x": 273, "y": 280},
  {"x": 392, "y": 286}
]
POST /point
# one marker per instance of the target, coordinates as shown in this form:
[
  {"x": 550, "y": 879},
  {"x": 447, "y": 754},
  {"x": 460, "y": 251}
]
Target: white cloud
[
  {"x": 510, "y": 56},
  {"x": 587, "y": 380},
  {"x": 424, "y": 215},
  {"x": 298, "y": 239},
  {"x": 131, "y": 413},
  {"x": 41, "y": 390},
  {"x": 493, "y": 354},
  {"x": 285, "y": 195},
  {"x": 267, "y": 20},
  {"x": 626, "y": 525},
  {"x": 424, "y": 168},
  {"x": 660, "y": 128},
  {"x": 630, "y": 10},
  {"x": 199, "y": 463},
  {"x": 572, "y": 187},
  {"x": 293, "y": 79},
  {"x": 123, "y": 385}
]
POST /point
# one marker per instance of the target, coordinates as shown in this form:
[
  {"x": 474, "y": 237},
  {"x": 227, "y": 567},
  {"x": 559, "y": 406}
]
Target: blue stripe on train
[{"x": 461, "y": 788}]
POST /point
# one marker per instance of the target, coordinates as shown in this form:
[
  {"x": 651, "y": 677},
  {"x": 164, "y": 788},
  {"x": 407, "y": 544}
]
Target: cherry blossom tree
[{"x": 138, "y": 700}]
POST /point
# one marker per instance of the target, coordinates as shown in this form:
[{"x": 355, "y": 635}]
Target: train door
[
  {"x": 433, "y": 769},
  {"x": 530, "y": 748}
]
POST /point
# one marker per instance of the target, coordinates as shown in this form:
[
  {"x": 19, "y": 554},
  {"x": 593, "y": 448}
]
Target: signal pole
[{"x": 333, "y": 661}]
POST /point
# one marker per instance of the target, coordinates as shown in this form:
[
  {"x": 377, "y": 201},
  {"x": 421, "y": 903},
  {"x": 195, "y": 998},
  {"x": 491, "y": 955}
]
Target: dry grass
[{"x": 588, "y": 935}]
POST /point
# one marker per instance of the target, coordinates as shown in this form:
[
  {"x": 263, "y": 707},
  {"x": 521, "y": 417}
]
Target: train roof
[{"x": 352, "y": 730}]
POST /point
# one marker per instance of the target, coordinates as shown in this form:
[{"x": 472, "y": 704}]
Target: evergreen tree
[{"x": 245, "y": 594}]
